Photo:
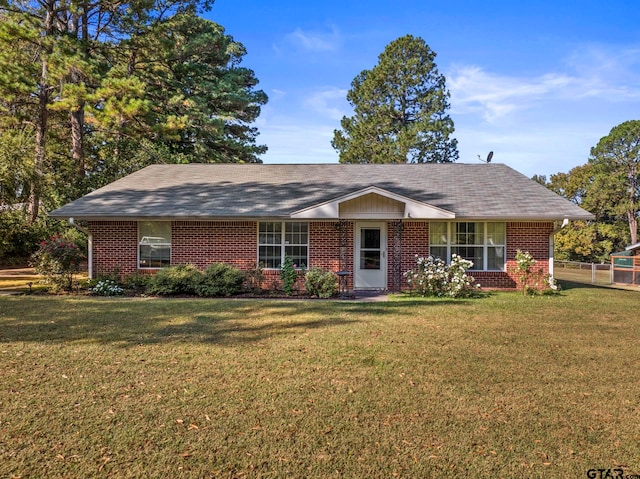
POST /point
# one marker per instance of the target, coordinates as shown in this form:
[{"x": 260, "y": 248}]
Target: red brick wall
[
  {"x": 526, "y": 236},
  {"x": 415, "y": 241},
  {"x": 324, "y": 247},
  {"x": 202, "y": 243},
  {"x": 115, "y": 247}
]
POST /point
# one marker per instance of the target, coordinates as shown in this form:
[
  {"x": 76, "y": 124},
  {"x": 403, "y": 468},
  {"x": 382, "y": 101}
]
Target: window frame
[
  {"x": 451, "y": 244},
  {"x": 169, "y": 244},
  {"x": 283, "y": 243}
]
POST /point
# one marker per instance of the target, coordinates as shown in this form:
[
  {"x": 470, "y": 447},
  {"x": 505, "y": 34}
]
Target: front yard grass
[{"x": 501, "y": 386}]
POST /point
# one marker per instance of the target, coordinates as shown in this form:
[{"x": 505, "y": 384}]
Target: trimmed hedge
[{"x": 219, "y": 279}]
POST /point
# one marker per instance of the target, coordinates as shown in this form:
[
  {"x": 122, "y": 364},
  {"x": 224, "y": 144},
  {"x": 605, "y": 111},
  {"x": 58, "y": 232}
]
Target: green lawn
[{"x": 501, "y": 386}]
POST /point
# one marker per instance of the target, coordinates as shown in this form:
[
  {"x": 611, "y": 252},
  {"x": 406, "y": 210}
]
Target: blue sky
[{"x": 536, "y": 82}]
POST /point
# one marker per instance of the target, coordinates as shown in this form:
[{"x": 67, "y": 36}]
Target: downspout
[
  {"x": 565, "y": 222},
  {"x": 89, "y": 245}
]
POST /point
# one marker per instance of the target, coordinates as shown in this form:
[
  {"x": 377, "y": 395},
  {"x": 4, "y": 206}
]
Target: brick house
[{"x": 368, "y": 220}]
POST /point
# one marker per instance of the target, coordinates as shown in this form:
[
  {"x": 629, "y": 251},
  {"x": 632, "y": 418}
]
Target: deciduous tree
[
  {"x": 608, "y": 186},
  {"x": 615, "y": 181}
]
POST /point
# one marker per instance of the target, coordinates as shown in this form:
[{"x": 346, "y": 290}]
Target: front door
[{"x": 370, "y": 256}]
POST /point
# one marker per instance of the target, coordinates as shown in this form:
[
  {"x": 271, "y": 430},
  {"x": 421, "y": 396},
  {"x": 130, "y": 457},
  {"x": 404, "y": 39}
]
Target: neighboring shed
[{"x": 626, "y": 265}]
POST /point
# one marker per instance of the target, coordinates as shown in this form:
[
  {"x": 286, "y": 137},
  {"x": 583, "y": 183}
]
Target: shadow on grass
[
  {"x": 414, "y": 298},
  {"x": 566, "y": 285},
  {"x": 129, "y": 322},
  {"x": 134, "y": 322}
]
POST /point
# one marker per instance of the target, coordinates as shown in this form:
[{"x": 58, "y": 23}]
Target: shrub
[
  {"x": 288, "y": 275},
  {"x": 107, "y": 287},
  {"x": 20, "y": 238},
  {"x": 433, "y": 277},
  {"x": 58, "y": 259},
  {"x": 532, "y": 280},
  {"x": 179, "y": 279},
  {"x": 110, "y": 276},
  {"x": 254, "y": 278},
  {"x": 321, "y": 283},
  {"x": 220, "y": 279},
  {"x": 137, "y": 282}
]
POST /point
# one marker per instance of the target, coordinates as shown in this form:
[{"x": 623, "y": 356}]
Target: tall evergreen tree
[
  {"x": 110, "y": 86},
  {"x": 399, "y": 110}
]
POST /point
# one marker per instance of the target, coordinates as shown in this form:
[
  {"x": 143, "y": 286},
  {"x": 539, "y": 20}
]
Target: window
[
  {"x": 480, "y": 242},
  {"x": 277, "y": 239},
  {"x": 154, "y": 244}
]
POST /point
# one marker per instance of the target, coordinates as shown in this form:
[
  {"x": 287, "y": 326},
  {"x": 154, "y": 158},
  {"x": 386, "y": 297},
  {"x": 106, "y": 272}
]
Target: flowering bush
[
  {"x": 433, "y": 277},
  {"x": 321, "y": 283},
  {"x": 532, "y": 280},
  {"x": 107, "y": 287},
  {"x": 58, "y": 259}
]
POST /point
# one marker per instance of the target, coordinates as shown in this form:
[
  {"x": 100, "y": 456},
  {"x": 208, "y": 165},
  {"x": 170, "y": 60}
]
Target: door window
[{"x": 370, "y": 252}]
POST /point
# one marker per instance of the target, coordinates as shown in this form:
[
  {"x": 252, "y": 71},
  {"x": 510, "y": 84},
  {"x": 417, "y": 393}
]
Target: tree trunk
[
  {"x": 41, "y": 123},
  {"x": 78, "y": 28},
  {"x": 77, "y": 138}
]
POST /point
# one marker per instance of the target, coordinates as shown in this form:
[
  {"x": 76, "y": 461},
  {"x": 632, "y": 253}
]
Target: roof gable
[{"x": 373, "y": 202}]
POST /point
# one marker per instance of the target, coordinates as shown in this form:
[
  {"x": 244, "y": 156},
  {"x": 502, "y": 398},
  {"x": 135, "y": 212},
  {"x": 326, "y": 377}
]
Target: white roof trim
[{"x": 412, "y": 208}]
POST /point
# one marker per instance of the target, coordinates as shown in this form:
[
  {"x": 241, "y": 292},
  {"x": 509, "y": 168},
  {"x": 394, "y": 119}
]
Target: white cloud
[
  {"x": 314, "y": 41},
  {"x": 278, "y": 93},
  {"x": 493, "y": 96},
  {"x": 329, "y": 102},
  {"x": 595, "y": 74},
  {"x": 545, "y": 123}
]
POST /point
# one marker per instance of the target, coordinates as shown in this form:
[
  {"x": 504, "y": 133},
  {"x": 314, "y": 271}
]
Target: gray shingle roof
[{"x": 204, "y": 191}]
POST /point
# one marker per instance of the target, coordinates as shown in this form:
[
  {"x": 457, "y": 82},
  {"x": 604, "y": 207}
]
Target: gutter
[
  {"x": 565, "y": 222},
  {"x": 89, "y": 245}
]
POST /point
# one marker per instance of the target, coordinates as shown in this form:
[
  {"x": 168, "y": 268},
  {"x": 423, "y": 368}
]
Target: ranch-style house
[{"x": 369, "y": 221}]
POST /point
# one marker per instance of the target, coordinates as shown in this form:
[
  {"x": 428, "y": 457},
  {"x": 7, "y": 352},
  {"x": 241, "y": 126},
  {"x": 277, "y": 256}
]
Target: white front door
[{"x": 370, "y": 256}]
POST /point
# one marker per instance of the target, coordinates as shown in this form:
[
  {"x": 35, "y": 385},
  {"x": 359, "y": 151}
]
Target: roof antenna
[{"x": 488, "y": 160}]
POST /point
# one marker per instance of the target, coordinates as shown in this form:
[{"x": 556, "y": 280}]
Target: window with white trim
[
  {"x": 279, "y": 238},
  {"x": 484, "y": 243},
  {"x": 154, "y": 244}
]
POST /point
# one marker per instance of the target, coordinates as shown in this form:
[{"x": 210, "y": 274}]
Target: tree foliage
[
  {"x": 399, "y": 110},
  {"x": 92, "y": 91},
  {"x": 608, "y": 186},
  {"x": 178, "y": 95},
  {"x": 615, "y": 175},
  {"x": 104, "y": 88}
]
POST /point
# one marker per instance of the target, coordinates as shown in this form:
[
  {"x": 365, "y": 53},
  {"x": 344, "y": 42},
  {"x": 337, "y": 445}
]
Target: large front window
[
  {"x": 279, "y": 239},
  {"x": 154, "y": 244},
  {"x": 484, "y": 243}
]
